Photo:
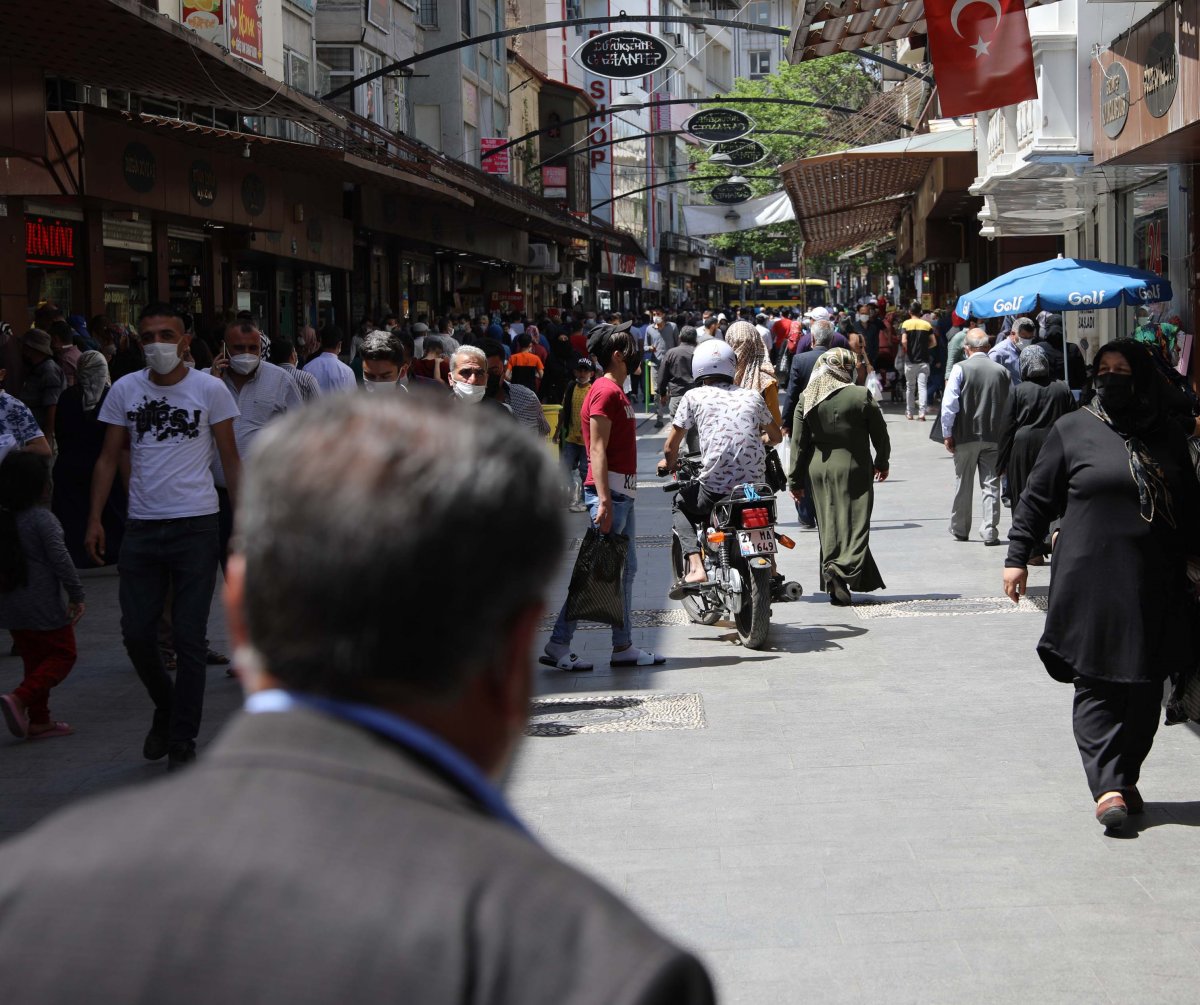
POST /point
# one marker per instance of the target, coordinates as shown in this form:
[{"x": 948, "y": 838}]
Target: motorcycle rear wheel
[{"x": 753, "y": 621}]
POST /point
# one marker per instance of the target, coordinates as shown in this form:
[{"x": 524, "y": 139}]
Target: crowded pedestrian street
[{"x": 882, "y": 805}]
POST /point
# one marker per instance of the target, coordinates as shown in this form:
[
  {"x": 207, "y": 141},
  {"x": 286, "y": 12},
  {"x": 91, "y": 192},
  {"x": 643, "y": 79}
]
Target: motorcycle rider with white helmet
[{"x": 734, "y": 425}]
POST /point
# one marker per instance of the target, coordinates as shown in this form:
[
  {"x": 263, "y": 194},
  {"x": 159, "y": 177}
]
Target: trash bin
[{"x": 551, "y": 413}]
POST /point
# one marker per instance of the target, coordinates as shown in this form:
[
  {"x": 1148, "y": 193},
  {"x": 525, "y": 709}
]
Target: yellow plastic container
[{"x": 551, "y": 412}]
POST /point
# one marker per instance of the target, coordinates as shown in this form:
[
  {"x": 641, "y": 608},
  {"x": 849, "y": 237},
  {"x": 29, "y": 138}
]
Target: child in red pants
[{"x": 34, "y": 569}]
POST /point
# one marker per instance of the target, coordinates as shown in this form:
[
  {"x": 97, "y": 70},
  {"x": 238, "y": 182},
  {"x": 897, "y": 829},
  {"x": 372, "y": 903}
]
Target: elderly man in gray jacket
[
  {"x": 972, "y": 407},
  {"x": 346, "y": 838}
]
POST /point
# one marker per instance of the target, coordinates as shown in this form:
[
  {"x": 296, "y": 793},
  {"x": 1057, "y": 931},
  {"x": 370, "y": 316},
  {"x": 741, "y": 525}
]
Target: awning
[
  {"x": 122, "y": 45},
  {"x": 846, "y": 198},
  {"x": 828, "y": 26}
]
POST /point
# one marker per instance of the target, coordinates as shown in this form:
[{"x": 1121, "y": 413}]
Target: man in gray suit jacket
[
  {"x": 345, "y": 839},
  {"x": 972, "y": 407}
]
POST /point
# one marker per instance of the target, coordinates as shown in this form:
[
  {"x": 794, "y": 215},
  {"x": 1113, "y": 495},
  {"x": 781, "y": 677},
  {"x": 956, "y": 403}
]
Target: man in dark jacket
[
  {"x": 346, "y": 837},
  {"x": 675, "y": 378}
]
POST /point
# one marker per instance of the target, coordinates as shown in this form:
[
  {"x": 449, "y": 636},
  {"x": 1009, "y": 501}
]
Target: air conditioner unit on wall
[{"x": 543, "y": 258}]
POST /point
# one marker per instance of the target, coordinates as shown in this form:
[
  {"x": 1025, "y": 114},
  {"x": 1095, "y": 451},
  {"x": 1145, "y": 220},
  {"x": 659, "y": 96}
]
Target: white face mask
[
  {"x": 244, "y": 363},
  {"x": 470, "y": 393},
  {"x": 161, "y": 357},
  {"x": 371, "y": 386},
  {"x": 1023, "y": 342}
]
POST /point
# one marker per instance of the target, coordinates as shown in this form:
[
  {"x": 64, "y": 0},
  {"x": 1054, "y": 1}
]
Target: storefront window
[
  {"x": 185, "y": 273},
  {"x": 1150, "y": 228},
  {"x": 252, "y": 296},
  {"x": 126, "y": 284}
]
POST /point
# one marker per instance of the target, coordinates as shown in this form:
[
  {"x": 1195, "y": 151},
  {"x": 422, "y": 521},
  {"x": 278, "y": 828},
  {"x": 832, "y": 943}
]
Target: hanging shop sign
[
  {"x": 554, "y": 182},
  {"x": 246, "y": 30},
  {"x": 730, "y": 194},
  {"x": 496, "y": 163},
  {"x": 1114, "y": 100},
  {"x": 624, "y": 55},
  {"x": 50, "y": 241},
  {"x": 741, "y": 153},
  {"x": 205, "y": 17},
  {"x": 719, "y": 125},
  {"x": 1160, "y": 75}
]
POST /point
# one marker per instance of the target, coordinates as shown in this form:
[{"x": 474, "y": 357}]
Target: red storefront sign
[
  {"x": 245, "y": 30},
  {"x": 50, "y": 241},
  {"x": 205, "y": 17},
  {"x": 496, "y": 163},
  {"x": 511, "y": 301}
]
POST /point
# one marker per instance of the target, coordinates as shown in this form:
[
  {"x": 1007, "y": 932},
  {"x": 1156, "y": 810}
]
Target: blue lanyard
[{"x": 407, "y": 734}]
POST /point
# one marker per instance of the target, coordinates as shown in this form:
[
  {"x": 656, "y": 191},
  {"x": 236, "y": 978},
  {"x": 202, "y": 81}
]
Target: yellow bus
[{"x": 791, "y": 293}]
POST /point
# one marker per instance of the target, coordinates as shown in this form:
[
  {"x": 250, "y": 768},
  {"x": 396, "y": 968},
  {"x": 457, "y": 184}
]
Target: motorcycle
[{"x": 737, "y": 549}]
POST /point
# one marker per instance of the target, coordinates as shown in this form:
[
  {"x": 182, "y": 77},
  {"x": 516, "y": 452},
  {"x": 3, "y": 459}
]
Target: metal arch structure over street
[
  {"x": 681, "y": 181},
  {"x": 582, "y": 151},
  {"x": 400, "y": 65},
  {"x": 842, "y": 109}
]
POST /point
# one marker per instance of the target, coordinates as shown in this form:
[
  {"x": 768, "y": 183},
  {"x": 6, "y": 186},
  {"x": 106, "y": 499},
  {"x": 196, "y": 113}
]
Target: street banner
[
  {"x": 205, "y": 17},
  {"x": 497, "y": 163},
  {"x": 982, "y": 55}
]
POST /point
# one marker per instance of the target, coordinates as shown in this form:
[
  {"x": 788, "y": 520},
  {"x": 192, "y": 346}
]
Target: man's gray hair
[
  {"x": 357, "y": 510},
  {"x": 470, "y": 352},
  {"x": 822, "y": 332},
  {"x": 976, "y": 339}
]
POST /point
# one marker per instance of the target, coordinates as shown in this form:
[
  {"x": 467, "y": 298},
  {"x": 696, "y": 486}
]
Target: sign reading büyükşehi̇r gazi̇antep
[
  {"x": 719, "y": 125},
  {"x": 741, "y": 153},
  {"x": 729, "y": 193},
  {"x": 624, "y": 55}
]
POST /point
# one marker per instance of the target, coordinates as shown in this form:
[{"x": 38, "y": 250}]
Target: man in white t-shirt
[{"x": 173, "y": 422}]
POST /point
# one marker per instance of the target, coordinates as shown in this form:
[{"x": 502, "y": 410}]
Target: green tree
[{"x": 787, "y": 132}]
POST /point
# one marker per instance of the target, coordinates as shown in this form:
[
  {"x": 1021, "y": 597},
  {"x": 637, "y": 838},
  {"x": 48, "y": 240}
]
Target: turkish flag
[{"x": 981, "y": 52}]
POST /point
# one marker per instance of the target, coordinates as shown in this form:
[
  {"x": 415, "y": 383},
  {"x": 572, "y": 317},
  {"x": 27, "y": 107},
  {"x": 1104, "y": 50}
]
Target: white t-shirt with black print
[
  {"x": 729, "y": 420},
  {"x": 170, "y": 441}
]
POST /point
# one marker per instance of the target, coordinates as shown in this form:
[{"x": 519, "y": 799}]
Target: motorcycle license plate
[{"x": 756, "y": 542}]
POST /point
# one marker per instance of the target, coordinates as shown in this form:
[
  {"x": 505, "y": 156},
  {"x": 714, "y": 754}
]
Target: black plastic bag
[
  {"x": 597, "y": 590},
  {"x": 776, "y": 476}
]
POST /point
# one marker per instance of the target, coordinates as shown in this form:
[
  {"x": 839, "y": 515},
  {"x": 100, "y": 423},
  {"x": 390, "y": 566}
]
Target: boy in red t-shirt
[{"x": 610, "y": 438}]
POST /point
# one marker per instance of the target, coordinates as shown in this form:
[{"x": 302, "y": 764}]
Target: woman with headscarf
[
  {"x": 841, "y": 425},
  {"x": 754, "y": 369},
  {"x": 1033, "y": 406},
  {"x": 80, "y": 435},
  {"x": 1118, "y": 475}
]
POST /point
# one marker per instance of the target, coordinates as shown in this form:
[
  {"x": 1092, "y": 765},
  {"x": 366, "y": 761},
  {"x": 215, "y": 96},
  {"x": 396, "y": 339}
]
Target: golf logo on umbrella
[{"x": 980, "y": 47}]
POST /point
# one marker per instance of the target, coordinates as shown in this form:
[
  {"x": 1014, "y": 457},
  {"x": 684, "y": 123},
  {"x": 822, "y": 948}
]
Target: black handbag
[
  {"x": 776, "y": 476},
  {"x": 597, "y": 590}
]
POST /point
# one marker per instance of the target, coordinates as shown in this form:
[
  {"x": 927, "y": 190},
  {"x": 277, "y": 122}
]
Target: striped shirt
[{"x": 306, "y": 383}]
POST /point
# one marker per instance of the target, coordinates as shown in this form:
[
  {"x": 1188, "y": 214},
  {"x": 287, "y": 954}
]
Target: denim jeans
[
  {"x": 622, "y": 510},
  {"x": 181, "y": 553},
  {"x": 574, "y": 458}
]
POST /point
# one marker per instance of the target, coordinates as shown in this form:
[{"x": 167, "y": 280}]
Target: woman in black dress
[
  {"x": 1034, "y": 406},
  {"x": 1118, "y": 474}
]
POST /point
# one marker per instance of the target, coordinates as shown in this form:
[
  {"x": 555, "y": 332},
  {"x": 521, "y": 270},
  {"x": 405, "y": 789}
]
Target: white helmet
[{"x": 713, "y": 358}]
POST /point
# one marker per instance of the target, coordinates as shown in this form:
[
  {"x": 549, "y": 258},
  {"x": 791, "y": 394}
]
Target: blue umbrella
[{"x": 1063, "y": 284}]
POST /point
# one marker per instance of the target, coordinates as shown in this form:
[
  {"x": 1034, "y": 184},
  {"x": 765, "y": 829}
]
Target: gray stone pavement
[{"x": 877, "y": 808}]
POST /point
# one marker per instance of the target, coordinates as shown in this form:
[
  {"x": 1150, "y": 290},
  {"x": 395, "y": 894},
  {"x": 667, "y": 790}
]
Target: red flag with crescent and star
[{"x": 981, "y": 52}]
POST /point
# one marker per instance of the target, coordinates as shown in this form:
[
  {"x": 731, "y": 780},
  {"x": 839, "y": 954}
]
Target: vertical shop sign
[
  {"x": 245, "y": 30},
  {"x": 205, "y": 17}
]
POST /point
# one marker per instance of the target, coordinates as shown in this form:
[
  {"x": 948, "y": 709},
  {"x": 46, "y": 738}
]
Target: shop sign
[
  {"x": 139, "y": 167},
  {"x": 202, "y": 182},
  {"x": 743, "y": 268},
  {"x": 1160, "y": 75},
  {"x": 728, "y": 194},
  {"x": 719, "y": 125},
  {"x": 496, "y": 163},
  {"x": 132, "y": 235},
  {"x": 50, "y": 241},
  {"x": 554, "y": 182},
  {"x": 725, "y": 275},
  {"x": 1114, "y": 100},
  {"x": 245, "y": 30},
  {"x": 741, "y": 153},
  {"x": 513, "y": 300},
  {"x": 205, "y": 17},
  {"x": 624, "y": 55},
  {"x": 254, "y": 195}
]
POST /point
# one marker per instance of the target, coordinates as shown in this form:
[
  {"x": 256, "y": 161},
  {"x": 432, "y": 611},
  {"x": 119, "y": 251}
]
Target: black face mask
[
  {"x": 493, "y": 385},
  {"x": 1115, "y": 391}
]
